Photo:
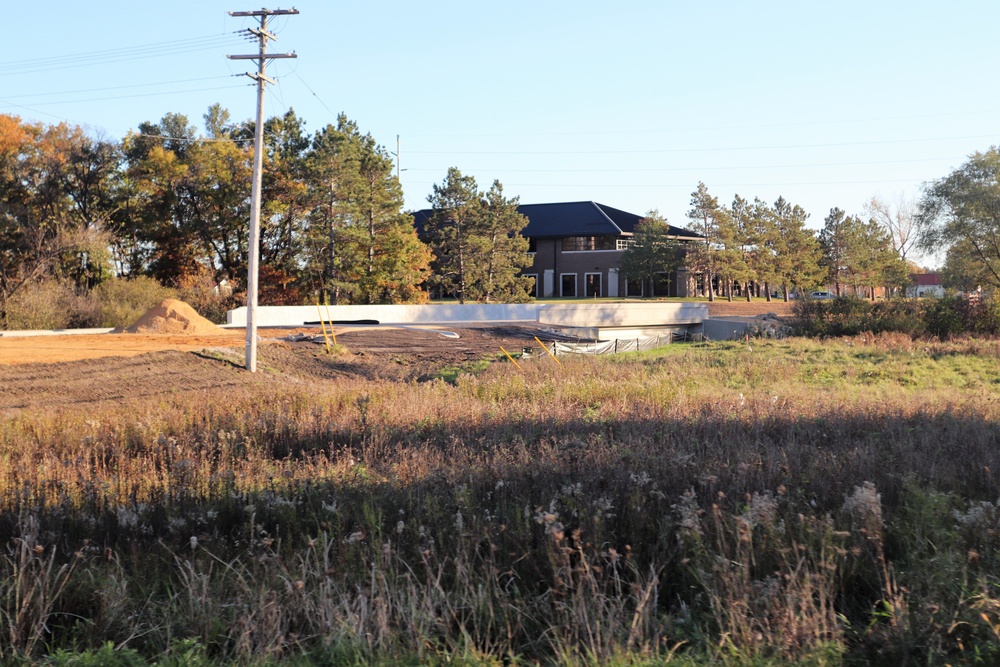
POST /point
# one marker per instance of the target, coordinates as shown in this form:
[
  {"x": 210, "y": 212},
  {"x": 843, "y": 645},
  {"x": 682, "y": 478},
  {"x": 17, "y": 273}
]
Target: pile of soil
[
  {"x": 172, "y": 317},
  {"x": 743, "y": 308}
]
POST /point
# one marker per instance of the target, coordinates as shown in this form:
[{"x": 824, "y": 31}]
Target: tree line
[
  {"x": 759, "y": 249},
  {"x": 171, "y": 202},
  {"x": 756, "y": 248}
]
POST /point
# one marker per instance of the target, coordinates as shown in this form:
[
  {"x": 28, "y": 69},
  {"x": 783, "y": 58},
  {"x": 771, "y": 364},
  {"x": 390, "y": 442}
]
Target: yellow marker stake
[
  {"x": 511, "y": 358},
  {"x": 325, "y": 337},
  {"x": 330, "y": 320},
  {"x": 549, "y": 351}
]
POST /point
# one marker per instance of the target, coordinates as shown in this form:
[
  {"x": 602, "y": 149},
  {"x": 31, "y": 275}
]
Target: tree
[
  {"x": 477, "y": 243},
  {"x": 839, "y": 239},
  {"x": 795, "y": 251},
  {"x": 860, "y": 253},
  {"x": 705, "y": 215},
  {"x": 653, "y": 250},
  {"x": 285, "y": 205},
  {"x": 899, "y": 219},
  {"x": 737, "y": 235},
  {"x": 963, "y": 269},
  {"x": 451, "y": 228},
  {"x": 359, "y": 239},
  {"x": 184, "y": 204},
  {"x": 500, "y": 250},
  {"x": 877, "y": 262},
  {"x": 52, "y": 205},
  {"x": 764, "y": 253},
  {"x": 963, "y": 209}
]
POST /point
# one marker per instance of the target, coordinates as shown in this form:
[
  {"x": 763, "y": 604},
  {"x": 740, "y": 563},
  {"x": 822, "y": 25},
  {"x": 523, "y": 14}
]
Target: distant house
[
  {"x": 576, "y": 248},
  {"x": 925, "y": 284}
]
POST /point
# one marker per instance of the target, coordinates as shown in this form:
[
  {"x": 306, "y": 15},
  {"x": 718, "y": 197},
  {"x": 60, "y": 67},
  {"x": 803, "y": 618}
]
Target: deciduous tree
[
  {"x": 963, "y": 209},
  {"x": 53, "y": 182}
]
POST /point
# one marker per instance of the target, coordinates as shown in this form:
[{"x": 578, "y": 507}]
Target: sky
[{"x": 629, "y": 104}]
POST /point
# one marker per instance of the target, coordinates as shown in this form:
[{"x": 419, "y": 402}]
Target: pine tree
[
  {"x": 500, "y": 250},
  {"x": 451, "y": 229},
  {"x": 795, "y": 250},
  {"x": 705, "y": 215},
  {"x": 653, "y": 251},
  {"x": 361, "y": 242}
]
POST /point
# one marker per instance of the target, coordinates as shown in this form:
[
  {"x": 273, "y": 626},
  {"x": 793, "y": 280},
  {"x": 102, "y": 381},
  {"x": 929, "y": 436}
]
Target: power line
[
  {"x": 192, "y": 140},
  {"x": 181, "y": 44},
  {"x": 646, "y": 186},
  {"x": 126, "y": 97},
  {"x": 136, "y": 85},
  {"x": 71, "y": 62},
  {"x": 704, "y": 128},
  {"x": 705, "y": 150},
  {"x": 299, "y": 77},
  {"x": 694, "y": 168}
]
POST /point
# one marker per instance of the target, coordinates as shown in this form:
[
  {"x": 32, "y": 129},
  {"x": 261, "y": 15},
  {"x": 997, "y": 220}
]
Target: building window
[
  {"x": 661, "y": 284},
  {"x": 624, "y": 243},
  {"x": 533, "y": 285},
  {"x": 633, "y": 287},
  {"x": 582, "y": 243},
  {"x": 567, "y": 284},
  {"x": 592, "y": 285},
  {"x": 532, "y": 245}
]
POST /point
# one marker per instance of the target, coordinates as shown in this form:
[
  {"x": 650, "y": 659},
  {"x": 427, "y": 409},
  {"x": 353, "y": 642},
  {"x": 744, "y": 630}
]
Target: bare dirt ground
[{"x": 75, "y": 370}]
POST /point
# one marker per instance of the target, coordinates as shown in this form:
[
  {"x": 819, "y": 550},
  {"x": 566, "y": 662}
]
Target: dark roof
[{"x": 579, "y": 218}]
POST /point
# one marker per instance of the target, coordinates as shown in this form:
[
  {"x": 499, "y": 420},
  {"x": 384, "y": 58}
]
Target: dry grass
[{"x": 774, "y": 503}]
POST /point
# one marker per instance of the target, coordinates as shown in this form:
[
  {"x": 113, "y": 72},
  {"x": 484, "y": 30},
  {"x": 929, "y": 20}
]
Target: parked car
[{"x": 821, "y": 295}]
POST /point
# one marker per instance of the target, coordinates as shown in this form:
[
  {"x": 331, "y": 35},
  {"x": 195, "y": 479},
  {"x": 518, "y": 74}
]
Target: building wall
[
  {"x": 573, "y": 268},
  {"x": 555, "y": 271}
]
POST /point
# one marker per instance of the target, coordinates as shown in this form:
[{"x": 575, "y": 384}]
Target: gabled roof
[
  {"x": 580, "y": 218},
  {"x": 926, "y": 279}
]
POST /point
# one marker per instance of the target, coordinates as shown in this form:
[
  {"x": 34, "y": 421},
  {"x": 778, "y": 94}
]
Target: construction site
[{"x": 171, "y": 349}]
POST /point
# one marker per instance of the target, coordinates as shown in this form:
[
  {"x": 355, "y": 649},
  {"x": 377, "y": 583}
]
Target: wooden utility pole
[{"x": 260, "y": 76}]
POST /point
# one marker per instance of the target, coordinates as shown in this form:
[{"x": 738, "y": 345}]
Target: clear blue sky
[{"x": 628, "y": 103}]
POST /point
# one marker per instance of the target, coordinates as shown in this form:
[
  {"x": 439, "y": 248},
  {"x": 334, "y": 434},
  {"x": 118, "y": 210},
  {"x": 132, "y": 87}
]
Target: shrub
[
  {"x": 201, "y": 292},
  {"x": 123, "y": 301},
  {"x": 944, "y": 318},
  {"x": 42, "y": 305}
]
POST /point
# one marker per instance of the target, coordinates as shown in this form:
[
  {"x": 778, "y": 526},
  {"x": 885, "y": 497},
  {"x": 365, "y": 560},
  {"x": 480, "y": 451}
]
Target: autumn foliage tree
[{"x": 54, "y": 203}]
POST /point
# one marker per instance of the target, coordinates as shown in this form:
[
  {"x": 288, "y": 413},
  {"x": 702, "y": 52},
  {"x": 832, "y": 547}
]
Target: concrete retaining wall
[
  {"x": 621, "y": 314},
  {"x": 725, "y": 329},
  {"x": 556, "y": 315},
  {"x": 293, "y": 316}
]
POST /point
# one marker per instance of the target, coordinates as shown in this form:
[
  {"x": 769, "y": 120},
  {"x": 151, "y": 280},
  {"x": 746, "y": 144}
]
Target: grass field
[{"x": 773, "y": 503}]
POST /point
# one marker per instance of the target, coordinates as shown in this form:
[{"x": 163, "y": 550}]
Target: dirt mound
[
  {"x": 742, "y": 308},
  {"x": 171, "y": 317}
]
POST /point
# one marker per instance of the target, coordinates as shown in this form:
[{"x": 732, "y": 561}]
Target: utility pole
[{"x": 260, "y": 76}]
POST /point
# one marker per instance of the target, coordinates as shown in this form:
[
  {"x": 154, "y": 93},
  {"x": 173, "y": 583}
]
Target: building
[
  {"x": 925, "y": 284},
  {"x": 577, "y": 246}
]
